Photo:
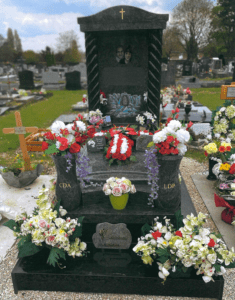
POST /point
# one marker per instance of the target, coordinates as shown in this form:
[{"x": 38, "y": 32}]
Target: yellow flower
[
  {"x": 211, "y": 148},
  {"x": 62, "y": 231},
  {"x": 44, "y": 155},
  {"x": 32, "y": 155},
  {"x": 225, "y": 167}
]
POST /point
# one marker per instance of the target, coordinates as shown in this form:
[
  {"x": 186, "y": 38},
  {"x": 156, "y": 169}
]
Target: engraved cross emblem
[{"x": 122, "y": 11}]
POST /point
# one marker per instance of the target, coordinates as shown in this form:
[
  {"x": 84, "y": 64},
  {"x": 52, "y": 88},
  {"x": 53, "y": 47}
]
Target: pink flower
[
  {"x": 125, "y": 188},
  {"x": 117, "y": 191},
  {"x": 50, "y": 239},
  {"x": 42, "y": 223},
  {"x": 133, "y": 189}
]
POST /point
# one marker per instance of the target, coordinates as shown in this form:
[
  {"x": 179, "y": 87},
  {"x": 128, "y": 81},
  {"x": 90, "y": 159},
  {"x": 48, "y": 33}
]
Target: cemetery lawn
[
  {"x": 40, "y": 114},
  {"x": 209, "y": 97}
]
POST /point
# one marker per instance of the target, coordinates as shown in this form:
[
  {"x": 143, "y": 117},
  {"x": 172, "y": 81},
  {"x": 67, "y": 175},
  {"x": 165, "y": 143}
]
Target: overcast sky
[{"x": 39, "y": 22}]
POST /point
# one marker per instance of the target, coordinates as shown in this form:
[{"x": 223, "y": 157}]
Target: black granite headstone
[
  {"x": 73, "y": 81},
  {"x": 187, "y": 68},
  {"x": 123, "y": 50},
  {"x": 26, "y": 80}
]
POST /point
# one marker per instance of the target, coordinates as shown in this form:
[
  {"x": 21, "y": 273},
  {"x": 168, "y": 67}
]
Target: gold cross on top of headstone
[
  {"x": 20, "y": 130},
  {"x": 122, "y": 11}
]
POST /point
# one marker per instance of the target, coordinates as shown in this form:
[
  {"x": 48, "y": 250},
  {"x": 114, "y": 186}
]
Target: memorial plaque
[
  {"x": 20, "y": 130},
  {"x": 142, "y": 142},
  {"x": 96, "y": 144},
  {"x": 231, "y": 92},
  {"x": 227, "y": 92},
  {"x": 112, "y": 236}
]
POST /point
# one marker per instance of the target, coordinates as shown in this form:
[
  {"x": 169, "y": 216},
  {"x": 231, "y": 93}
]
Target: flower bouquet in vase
[
  {"x": 118, "y": 190},
  {"x": 187, "y": 246}
]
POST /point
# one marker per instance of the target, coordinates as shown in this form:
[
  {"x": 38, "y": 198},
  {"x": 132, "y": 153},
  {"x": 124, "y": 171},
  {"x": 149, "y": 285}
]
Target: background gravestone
[
  {"x": 123, "y": 51},
  {"x": 187, "y": 68},
  {"x": 73, "y": 81},
  {"x": 26, "y": 80},
  {"x": 168, "y": 75}
]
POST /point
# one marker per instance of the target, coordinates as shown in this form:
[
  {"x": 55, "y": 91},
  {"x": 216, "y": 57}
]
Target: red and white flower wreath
[{"x": 120, "y": 147}]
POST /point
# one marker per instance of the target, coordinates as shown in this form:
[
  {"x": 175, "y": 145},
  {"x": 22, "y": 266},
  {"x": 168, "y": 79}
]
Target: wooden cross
[
  {"x": 20, "y": 130},
  {"x": 122, "y": 11}
]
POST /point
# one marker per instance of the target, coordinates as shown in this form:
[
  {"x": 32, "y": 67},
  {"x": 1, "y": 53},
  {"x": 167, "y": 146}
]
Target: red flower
[
  {"x": 74, "y": 148},
  {"x": 190, "y": 124},
  {"x": 232, "y": 169},
  {"x": 222, "y": 149},
  {"x": 177, "y": 116},
  {"x": 48, "y": 135},
  {"x": 228, "y": 148},
  {"x": 177, "y": 110},
  {"x": 170, "y": 139},
  {"x": 173, "y": 111},
  {"x": 176, "y": 151},
  {"x": 179, "y": 233},
  {"x": 63, "y": 143},
  {"x": 44, "y": 146},
  {"x": 156, "y": 234},
  {"x": 79, "y": 118},
  {"x": 205, "y": 153},
  {"x": 211, "y": 243}
]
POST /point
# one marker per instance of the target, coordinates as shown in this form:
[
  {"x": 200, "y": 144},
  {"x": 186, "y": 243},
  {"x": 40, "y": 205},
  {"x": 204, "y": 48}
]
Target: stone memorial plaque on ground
[
  {"x": 142, "y": 142},
  {"x": 25, "y": 98},
  {"x": 67, "y": 118},
  {"x": 112, "y": 236},
  {"x": 96, "y": 144}
]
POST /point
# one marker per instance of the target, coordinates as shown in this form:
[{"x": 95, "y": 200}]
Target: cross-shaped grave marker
[{"x": 20, "y": 130}]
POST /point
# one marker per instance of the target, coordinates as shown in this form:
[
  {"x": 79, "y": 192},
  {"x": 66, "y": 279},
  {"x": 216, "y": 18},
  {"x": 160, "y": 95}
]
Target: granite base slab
[{"x": 92, "y": 275}]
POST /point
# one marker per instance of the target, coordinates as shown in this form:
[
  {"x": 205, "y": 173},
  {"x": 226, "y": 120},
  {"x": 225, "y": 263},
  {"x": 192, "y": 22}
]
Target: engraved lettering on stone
[
  {"x": 64, "y": 185},
  {"x": 169, "y": 186}
]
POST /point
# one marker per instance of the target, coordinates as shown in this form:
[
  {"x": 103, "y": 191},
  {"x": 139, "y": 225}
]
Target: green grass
[
  {"x": 39, "y": 114},
  {"x": 215, "y": 79},
  {"x": 209, "y": 97},
  {"x": 197, "y": 155}
]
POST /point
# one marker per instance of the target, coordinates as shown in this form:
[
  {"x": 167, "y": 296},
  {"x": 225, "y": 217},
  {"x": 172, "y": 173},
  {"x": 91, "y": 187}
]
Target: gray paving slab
[{"x": 206, "y": 190}]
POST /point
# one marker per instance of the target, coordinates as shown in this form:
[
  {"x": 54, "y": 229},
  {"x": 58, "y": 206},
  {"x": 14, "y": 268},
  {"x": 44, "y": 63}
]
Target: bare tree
[
  {"x": 65, "y": 39},
  {"x": 171, "y": 42},
  {"x": 193, "y": 19},
  {"x": 17, "y": 42}
]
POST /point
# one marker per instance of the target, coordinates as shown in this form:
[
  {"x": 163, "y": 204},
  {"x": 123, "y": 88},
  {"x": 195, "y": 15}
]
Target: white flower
[
  {"x": 207, "y": 278},
  {"x": 108, "y": 192},
  {"x": 83, "y": 246},
  {"x": 209, "y": 137},
  {"x": 222, "y": 271},
  {"x": 174, "y": 124},
  {"x": 182, "y": 149},
  {"x": 69, "y": 127},
  {"x": 56, "y": 126},
  {"x": 159, "y": 137},
  {"x": 81, "y": 126},
  {"x": 168, "y": 236},
  {"x": 62, "y": 211},
  {"x": 217, "y": 135},
  {"x": 183, "y": 136},
  {"x": 132, "y": 189}
]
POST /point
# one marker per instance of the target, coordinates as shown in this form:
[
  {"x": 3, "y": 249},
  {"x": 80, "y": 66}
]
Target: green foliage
[
  {"x": 78, "y": 230},
  {"x": 28, "y": 249},
  {"x": 55, "y": 255},
  {"x": 133, "y": 158},
  {"x": 11, "y": 224},
  {"x": 145, "y": 229},
  {"x": 31, "y": 57},
  {"x": 57, "y": 206},
  {"x": 163, "y": 254},
  {"x": 51, "y": 150},
  {"x": 111, "y": 161},
  {"x": 23, "y": 240},
  {"x": 178, "y": 219}
]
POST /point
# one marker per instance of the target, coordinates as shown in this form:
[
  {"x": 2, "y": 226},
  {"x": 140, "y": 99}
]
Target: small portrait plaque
[
  {"x": 20, "y": 130},
  {"x": 96, "y": 144}
]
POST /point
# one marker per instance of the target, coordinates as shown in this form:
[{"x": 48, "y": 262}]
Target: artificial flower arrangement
[
  {"x": 171, "y": 139},
  {"x": 23, "y": 92},
  {"x": 46, "y": 228},
  {"x": 62, "y": 138},
  {"x": 186, "y": 246},
  {"x": 222, "y": 120},
  {"x": 121, "y": 142},
  {"x": 147, "y": 120},
  {"x": 217, "y": 148},
  {"x": 118, "y": 190},
  {"x": 95, "y": 117}
]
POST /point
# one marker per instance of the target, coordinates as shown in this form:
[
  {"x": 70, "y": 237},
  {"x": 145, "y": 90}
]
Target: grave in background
[
  {"x": 51, "y": 81},
  {"x": 26, "y": 80},
  {"x": 73, "y": 81}
]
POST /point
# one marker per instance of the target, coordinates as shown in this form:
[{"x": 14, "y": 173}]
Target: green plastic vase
[{"x": 119, "y": 202}]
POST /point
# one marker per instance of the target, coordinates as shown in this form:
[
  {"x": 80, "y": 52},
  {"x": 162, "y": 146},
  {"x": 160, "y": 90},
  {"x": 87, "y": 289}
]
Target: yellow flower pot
[{"x": 120, "y": 202}]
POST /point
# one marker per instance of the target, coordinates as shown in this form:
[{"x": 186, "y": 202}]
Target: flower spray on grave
[
  {"x": 148, "y": 121},
  {"x": 63, "y": 142},
  {"x": 118, "y": 190},
  {"x": 183, "y": 247},
  {"x": 120, "y": 145},
  {"x": 162, "y": 162},
  {"x": 47, "y": 227}
]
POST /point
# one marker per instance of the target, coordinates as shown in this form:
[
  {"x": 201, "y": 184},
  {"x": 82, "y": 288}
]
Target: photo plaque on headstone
[
  {"x": 96, "y": 144},
  {"x": 112, "y": 236}
]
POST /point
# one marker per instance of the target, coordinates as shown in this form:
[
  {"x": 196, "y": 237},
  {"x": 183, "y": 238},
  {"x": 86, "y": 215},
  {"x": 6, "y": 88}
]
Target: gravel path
[{"x": 188, "y": 167}]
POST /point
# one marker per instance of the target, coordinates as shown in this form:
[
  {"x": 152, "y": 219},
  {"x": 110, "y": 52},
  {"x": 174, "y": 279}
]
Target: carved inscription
[
  {"x": 64, "y": 185},
  {"x": 169, "y": 186}
]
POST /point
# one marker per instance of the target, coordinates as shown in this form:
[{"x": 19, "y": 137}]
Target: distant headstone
[
  {"x": 50, "y": 78},
  {"x": 187, "y": 68},
  {"x": 73, "y": 80},
  {"x": 81, "y": 67},
  {"x": 26, "y": 80},
  {"x": 96, "y": 144},
  {"x": 168, "y": 75},
  {"x": 112, "y": 236}
]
